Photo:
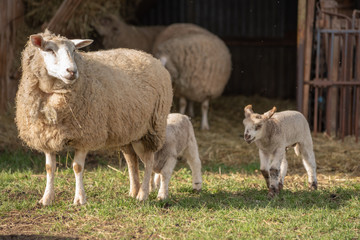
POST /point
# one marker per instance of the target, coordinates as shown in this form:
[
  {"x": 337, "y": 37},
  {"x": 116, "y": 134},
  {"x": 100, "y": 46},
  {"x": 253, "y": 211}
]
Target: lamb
[
  {"x": 199, "y": 64},
  {"x": 180, "y": 143},
  {"x": 116, "y": 33},
  {"x": 91, "y": 100},
  {"x": 273, "y": 133}
]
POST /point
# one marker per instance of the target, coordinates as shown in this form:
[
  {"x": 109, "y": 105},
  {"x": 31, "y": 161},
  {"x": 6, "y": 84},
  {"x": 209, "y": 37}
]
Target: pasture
[{"x": 231, "y": 205}]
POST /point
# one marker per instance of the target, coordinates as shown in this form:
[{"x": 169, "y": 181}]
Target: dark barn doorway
[{"x": 261, "y": 36}]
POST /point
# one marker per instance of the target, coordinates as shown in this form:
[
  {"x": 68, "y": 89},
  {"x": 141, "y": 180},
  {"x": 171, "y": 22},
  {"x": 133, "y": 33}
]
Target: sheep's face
[
  {"x": 254, "y": 123},
  {"x": 58, "y": 55}
]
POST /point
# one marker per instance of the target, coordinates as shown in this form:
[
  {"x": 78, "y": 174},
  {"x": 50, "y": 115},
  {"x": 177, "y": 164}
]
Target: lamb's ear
[
  {"x": 37, "y": 40},
  {"x": 80, "y": 43},
  {"x": 248, "y": 110},
  {"x": 269, "y": 113}
]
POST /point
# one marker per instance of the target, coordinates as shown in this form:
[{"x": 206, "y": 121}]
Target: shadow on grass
[
  {"x": 255, "y": 199},
  {"x": 31, "y": 237}
]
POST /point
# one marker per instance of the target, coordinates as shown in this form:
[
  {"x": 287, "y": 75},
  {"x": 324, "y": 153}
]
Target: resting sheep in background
[
  {"x": 180, "y": 142},
  {"x": 273, "y": 133},
  {"x": 118, "y": 34},
  {"x": 199, "y": 64},
  {"x": 91, "y": 100}
]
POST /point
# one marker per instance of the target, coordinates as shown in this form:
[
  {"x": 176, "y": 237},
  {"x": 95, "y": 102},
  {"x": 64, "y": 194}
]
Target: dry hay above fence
[{"x": 223, "y": 144}]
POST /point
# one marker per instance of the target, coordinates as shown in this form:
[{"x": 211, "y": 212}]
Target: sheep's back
[
  {"x": 202, "y": 65},
  {"x": 294, "y": 126}
]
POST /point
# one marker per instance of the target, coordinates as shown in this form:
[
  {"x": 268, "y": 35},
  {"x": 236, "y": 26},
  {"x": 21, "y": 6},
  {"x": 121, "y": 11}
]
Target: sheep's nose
[
  {"x": 72, "y": 73},
  {"x": 247, "y": 136}
]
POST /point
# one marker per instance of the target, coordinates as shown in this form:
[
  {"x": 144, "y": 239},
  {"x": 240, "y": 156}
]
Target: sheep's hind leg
[
  {"x": 133, "y": 167},
  {"x": 204, "y": 119},
  {"x": 308, "y": 158},
  {"x": 78, "y": 167},
  {"x": 147, "y": 157},
  {"x": 165, "y": 176},
  {"x": 49, "y": 193}
]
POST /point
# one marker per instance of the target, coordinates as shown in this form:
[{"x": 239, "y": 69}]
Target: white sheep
[
  {"x": 181, "y": 143},
  {"x": 199, "y": 64},
  {"x": 118, "y": 34},
  {"x": 273, "y": 133},
  {"x": 91, "y": 100}
]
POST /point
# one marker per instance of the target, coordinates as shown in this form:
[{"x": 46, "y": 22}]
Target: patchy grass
[{"x": 232, "y": 204}]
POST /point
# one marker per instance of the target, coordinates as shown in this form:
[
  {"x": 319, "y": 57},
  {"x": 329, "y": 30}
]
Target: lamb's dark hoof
[
  {"x": 281, "y": 186},
  {"x": 313, "y": 186},
  {"x": 196, "y": 190},
  {"x": 272, "y": 192}
]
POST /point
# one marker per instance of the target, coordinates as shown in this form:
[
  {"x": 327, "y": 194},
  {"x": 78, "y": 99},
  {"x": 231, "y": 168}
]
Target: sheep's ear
[
  {"x": 248, "y": 110},
  {"x": 80, "y": 43},
  {"x": 37, "y": 40},
  {"x": 269, "y": 113}
]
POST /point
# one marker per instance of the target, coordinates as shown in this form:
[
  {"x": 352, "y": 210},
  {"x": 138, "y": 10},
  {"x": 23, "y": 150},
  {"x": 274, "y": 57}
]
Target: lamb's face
[
  {"x": 253, "y": 128},
  {"x": 58, "y": 55},
  {"x": 254, "y": 123}
]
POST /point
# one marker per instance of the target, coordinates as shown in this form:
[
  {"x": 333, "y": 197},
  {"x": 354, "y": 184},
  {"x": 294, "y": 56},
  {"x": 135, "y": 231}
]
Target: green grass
[{"x": 232, "y": 205}]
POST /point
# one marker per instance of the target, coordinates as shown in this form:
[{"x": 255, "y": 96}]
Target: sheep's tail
[{"x": 297, "y": 149}]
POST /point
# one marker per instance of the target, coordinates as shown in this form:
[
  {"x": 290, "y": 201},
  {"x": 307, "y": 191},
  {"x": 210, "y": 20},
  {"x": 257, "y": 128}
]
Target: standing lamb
[
  {"x": 273, "y": 133},
  {"x": 180, "y": 142},
  {"x": 91, "y": 100},
  {"x": 198, "y": 61},
  {"x": 117, "y": 34}
]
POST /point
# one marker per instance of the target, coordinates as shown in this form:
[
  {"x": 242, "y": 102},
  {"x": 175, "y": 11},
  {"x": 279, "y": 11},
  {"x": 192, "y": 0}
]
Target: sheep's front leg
[
  {"x": 274, "y": 172},
  {"x": 182, "y": 103},
  {"x": 204, "y": 119},
  {"x": 49, "y": 193},
  {"x": 78, "y": 167},
  {"x": 133, "y": 167},
  {"x": 147, "y": 157},
  {"x": 264, "y": 166}
]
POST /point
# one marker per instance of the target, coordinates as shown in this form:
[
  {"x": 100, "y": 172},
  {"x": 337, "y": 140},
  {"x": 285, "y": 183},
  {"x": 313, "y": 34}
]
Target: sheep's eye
[
  {"x": 49, "y": 50},
  {"x": 257, "y": 127},
  {"x": 258, "y": 117}
]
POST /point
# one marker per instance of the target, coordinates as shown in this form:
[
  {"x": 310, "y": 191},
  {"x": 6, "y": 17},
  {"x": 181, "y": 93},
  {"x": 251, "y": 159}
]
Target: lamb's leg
[
  {"x": 308, "y": 158},
  {"x": 283, "y": 171},
  {"x": 204, "y": 110},
  {"x": 191, "y": 155},
  {"x": 49, "y": 193},
  {"x": 165, "y": 176},
  {"x": 182, "y": 103},
  {"x": 133, "y": 167},
  {"x": 274, "y": 171},
  {"x": 264, "y": 166},
  {"x": 78, "y": 167},
  {"x": 147, "y": 157}
]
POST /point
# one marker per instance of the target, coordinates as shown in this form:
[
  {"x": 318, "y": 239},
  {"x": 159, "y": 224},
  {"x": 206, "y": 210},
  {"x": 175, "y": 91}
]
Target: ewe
[
  {"x": 273, "y": 133},
  {"x": 91, "y": 100},
  {"x": 180, "y": 143},
  {"x": 199, "y": 64}
]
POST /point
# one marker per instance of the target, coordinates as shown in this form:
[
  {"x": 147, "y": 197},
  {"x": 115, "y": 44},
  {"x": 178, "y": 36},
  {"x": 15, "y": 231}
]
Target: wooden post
[
  {"x": 300, "y": 52},
  {"x": 63, "y": 15},
  {"x": 10, "y": 10},
  {"x": 310, "y": 12}
]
